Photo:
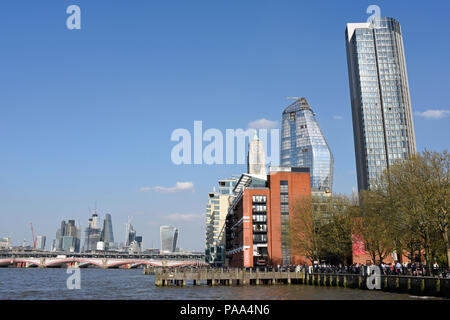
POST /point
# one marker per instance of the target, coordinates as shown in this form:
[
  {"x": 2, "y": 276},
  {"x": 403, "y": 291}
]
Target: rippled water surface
[{"x": 131, "y": 284}]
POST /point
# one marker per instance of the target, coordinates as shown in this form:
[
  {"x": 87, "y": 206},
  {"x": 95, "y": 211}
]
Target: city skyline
[{"x": 76, "y": 129}]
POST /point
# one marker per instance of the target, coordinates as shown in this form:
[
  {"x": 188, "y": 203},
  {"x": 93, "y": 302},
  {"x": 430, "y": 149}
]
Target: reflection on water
[{"x": 132, "y": 285}]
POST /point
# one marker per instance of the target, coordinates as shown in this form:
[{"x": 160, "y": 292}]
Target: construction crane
[{"x": 33, "y": 238}]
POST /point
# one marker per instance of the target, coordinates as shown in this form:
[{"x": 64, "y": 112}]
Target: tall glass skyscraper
[
  {"x": 381, "y": 105},
  {"x": 107, "y": 232},
  {"x": 303, "y": 145},
  {"x": 92, "y": 234}
]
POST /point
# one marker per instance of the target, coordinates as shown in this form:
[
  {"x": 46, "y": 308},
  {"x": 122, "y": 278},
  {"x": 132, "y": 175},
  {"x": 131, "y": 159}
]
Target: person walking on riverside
[
  {"x": 398, "y": 268},
  {"x": 435, "y": 268}
]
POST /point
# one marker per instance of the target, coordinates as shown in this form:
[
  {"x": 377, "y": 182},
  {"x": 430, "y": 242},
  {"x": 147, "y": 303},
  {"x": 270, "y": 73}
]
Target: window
[{"x": 292, "y": 116}]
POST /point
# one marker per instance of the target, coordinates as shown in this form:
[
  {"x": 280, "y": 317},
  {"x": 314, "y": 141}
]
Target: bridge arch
[
  {"x": 135, "y": 262},
  {"x": 31, "y": 263}
]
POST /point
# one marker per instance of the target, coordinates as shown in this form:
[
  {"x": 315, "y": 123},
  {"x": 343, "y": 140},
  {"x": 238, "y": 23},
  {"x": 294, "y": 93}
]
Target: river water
[{"x": 131, "y": 284}]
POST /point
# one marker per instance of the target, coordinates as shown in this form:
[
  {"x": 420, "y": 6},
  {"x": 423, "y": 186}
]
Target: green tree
[
  {"x": 304, "y": 229},
  {"x": 418, "y": 195},
  {"x": 320, "y": 228},
  {"x": 373, "y": 224}
]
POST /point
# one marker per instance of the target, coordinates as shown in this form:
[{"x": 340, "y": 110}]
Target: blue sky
[{"x": 86, "y": 115}]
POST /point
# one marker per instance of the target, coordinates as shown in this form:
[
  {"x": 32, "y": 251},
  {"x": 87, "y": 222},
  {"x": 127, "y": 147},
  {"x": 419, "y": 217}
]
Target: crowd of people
[{"x": 396, "y": 268}]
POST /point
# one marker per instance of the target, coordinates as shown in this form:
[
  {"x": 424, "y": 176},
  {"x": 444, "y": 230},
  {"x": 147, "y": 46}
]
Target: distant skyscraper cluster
[
  {"x": 96, "y": 238},
  {"x": 381, "y": 105},
  {"x": 133, "y": 242},
  {"x": 67, "y": 237}
]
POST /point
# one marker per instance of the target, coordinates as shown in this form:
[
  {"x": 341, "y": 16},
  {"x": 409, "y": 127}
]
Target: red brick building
[{"x": 259, "y": 214}]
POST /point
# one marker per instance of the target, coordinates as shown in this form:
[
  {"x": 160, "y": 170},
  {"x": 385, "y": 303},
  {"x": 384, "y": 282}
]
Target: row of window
[
  {"x": 259, "y": 238},
  {"x": 260, "y": 199},
  {"x": 259, "y": 218},
  {"x": 259, "y": 208},
  {"x": 260, "y": 227}
]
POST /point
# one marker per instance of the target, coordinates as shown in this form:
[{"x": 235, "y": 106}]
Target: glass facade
[
  {"x": 67, "y": 237},
  {"x": 107, "y": 232},
  {"x": 381, "y": 105},
  {"x": 303, "y": 145},
  {"x": 169, "y": 236}
]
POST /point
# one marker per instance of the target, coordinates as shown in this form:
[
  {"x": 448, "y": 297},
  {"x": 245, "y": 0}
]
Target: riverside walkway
[{"x": 429, "y": 286}]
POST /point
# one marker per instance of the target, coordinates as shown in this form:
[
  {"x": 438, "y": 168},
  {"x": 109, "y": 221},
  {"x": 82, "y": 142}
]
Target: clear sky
[{"x": 86, "y": 115}]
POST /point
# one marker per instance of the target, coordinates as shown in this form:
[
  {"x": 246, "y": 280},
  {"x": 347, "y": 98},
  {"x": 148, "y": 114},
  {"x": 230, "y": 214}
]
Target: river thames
[{"x": 123, "y": 284}]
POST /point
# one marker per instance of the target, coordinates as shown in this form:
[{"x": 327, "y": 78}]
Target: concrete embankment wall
[{"x": 424, "y": 286}]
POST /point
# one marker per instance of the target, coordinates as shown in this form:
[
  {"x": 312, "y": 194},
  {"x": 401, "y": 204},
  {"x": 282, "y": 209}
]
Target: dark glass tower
[
  {"x": 303, "y": 145},
  {"x": 107, "y": 232}
]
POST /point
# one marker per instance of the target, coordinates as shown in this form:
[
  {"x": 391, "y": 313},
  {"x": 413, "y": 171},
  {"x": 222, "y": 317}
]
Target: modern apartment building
[
  {"x": 216, "y": 212},
  {"x": 383, "y": 126},
  {"x": 258, "y": 218}
]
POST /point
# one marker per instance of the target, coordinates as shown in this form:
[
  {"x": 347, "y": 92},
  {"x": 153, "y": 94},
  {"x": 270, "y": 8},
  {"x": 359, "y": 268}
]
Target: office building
[
  {"x": 92, "y": 234},
  {"x": 5, "y": 243},
  {"x": 383, "y": 126},
  {"x": 216, "y": 212},
  {"x": 169, "y": 237},
  {"x": 40, "y": 242},
  {"x": 303, "y": 145},
  {"x": 68, "y": 237},
  {"x": 131, "y": 235},
  {"x": 258, "y": 218},
  {"x": 107, "y": 235},
  {"x": 133, "y": 243}
]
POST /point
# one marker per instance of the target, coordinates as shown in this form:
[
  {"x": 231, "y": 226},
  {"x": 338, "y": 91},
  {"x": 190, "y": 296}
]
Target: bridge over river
[{"x": 104, "y": 260}]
